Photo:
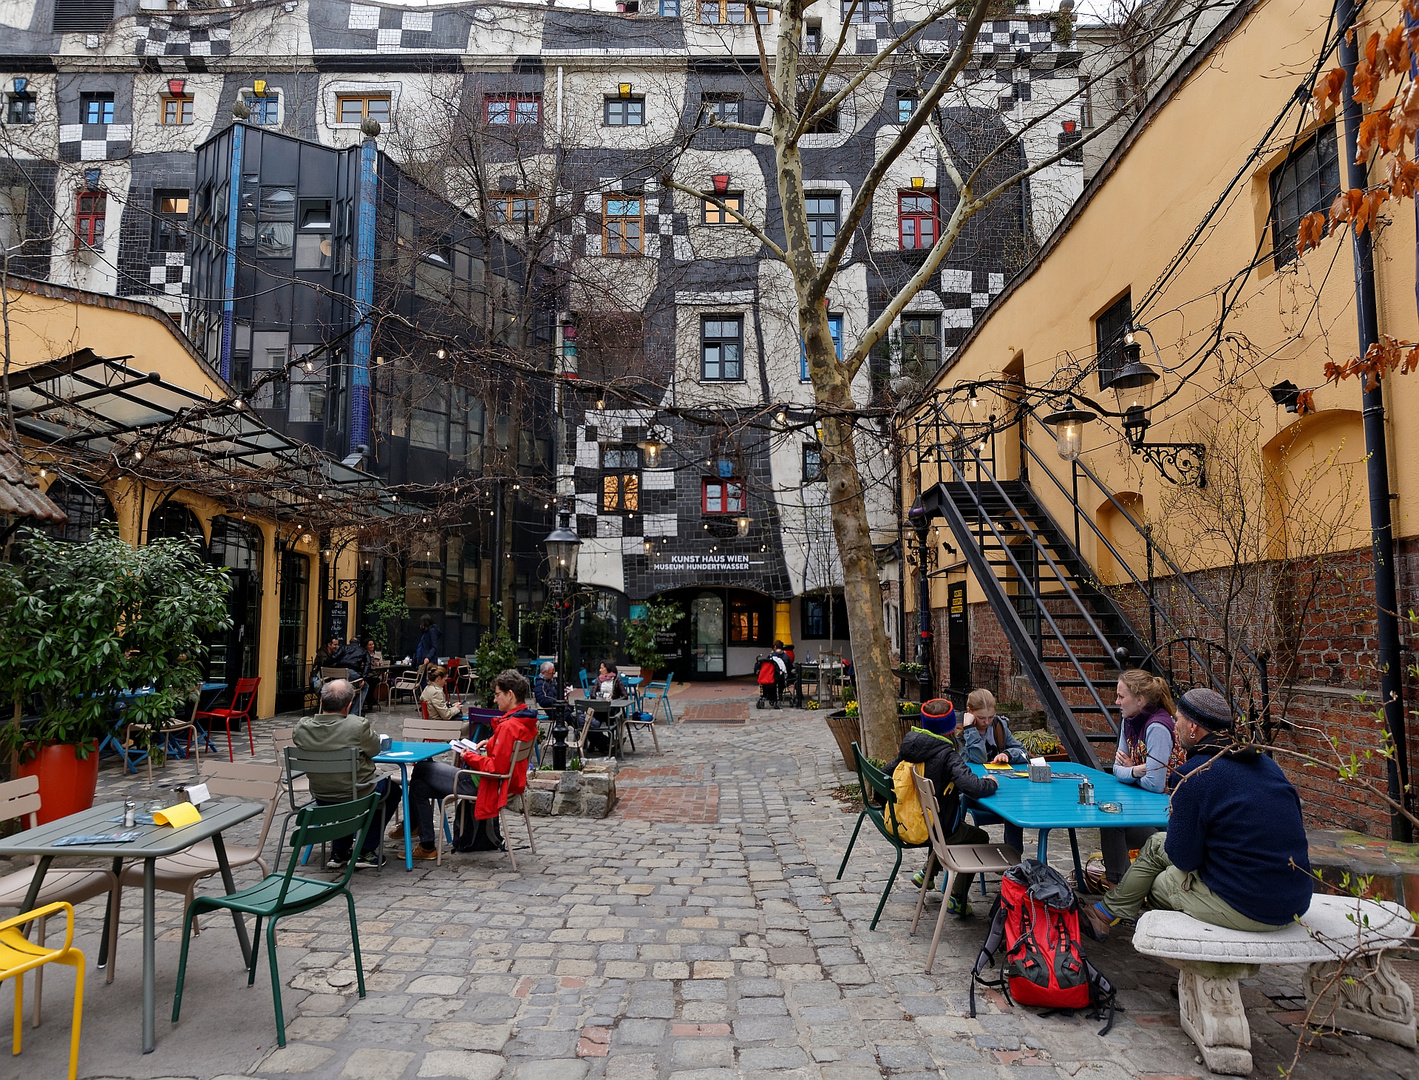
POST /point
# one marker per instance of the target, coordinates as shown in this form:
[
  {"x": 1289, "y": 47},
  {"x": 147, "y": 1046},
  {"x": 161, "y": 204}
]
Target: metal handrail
[
  {"x": 1044, "y": 612},
  {"x": 1150, "y": 547}
]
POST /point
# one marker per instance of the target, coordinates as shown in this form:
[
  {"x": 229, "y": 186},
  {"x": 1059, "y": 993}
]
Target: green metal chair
[
  {"x": 877, "y": 785},
  {"x": 287, "y": 894}
]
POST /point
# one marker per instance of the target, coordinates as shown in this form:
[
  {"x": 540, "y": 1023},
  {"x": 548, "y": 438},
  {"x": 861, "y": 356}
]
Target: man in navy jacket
[{"x": 1234, "y": 854}]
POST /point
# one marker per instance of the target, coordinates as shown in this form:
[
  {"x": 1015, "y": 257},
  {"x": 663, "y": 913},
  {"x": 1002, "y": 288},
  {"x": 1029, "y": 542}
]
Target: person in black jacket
[
  {"x": 1235, "y": 853},
  {"x": 951, "y": 778},
  {"x": 356, "y": 658}
]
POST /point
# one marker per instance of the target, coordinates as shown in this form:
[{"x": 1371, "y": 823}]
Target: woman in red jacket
[{"x": 433, "y": 780}]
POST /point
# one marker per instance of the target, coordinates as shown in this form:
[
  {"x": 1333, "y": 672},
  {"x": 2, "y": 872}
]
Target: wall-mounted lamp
[
  {"x": 20, "y": 85},
  {"x": 721, "y": 183},
  {"x": 1133, "y": 389},
  {"x": 743, "y": 524},
  {"x": 918, "y": 181},
  {"x": 1070, "y": 126},
  {"x": 93, "y": 176},
  {"x": 1286, "y": 393},
  {"x": 259, "y": 87},
  {"x": 624, "y": 89},
  {"x": 177, "y": 87}
]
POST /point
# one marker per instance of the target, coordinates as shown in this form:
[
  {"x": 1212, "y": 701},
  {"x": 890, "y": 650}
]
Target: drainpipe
[{"x": 1376, "y": 451}]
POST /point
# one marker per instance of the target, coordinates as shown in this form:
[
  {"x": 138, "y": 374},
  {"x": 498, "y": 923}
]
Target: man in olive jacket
[
  {"x": 950, "y": 778},
  {"x": 333, "y": 728}
]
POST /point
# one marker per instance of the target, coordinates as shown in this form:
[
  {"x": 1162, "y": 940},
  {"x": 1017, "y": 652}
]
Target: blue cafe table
[
  {"x": 1056, "y": 805},
  {"x": 406, "y": 755}
]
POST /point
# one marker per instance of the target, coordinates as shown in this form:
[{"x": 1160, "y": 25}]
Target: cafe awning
[{"x": 104, "y": 415}]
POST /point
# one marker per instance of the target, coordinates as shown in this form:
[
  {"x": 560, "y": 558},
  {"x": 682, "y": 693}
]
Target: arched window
[
  {"x": 86, "y": 506},
  {"x": 173, "y": 520}
]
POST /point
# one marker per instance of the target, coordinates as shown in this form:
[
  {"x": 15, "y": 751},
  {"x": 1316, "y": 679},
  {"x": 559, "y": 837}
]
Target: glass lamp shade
[
  {"x": 1068, "y": 424},
  {"x": 1133, "y": 385},
  {"x": 743, "y": 524},
  {"x": 651, "y": 446},
  {"x": 562, "y": 545}
]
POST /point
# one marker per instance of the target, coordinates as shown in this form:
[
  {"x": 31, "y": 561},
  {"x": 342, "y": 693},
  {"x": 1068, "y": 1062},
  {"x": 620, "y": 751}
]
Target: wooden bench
[{"x": 1337, "y": 931}]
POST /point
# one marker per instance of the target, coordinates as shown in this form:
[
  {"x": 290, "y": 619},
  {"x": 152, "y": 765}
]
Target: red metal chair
[
  {"x": 242, "y": 701},
  {"x": 423, "y": 708},
  {"x": 450, "y": 688}
]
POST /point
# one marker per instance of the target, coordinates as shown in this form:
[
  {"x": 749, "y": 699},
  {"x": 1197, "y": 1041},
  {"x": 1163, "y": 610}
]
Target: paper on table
[{"x": 177, "y": 815}]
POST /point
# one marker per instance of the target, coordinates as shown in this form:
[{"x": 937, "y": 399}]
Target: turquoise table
[
  {"x": 1056, "y": 805},
  {"x": 405, "y": 755}
]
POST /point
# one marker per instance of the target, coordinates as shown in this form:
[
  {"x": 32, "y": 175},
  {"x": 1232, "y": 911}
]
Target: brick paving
[{"x": 647, "y": 946}]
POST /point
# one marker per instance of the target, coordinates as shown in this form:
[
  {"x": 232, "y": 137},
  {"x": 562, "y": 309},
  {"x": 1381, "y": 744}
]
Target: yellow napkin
[
  {"x": 177, "y": 815},
  {"x": 996, "y": 767}
]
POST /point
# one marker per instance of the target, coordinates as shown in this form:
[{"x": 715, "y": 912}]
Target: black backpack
[
  {"x": 1036, "y": 918},
  {"x": 470, "y": 834}
]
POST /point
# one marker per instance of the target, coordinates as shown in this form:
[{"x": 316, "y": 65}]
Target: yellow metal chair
[{"x": 19, "y": 955}]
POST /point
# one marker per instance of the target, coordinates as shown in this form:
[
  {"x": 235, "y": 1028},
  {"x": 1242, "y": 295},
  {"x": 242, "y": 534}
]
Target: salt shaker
[
  {"x": 1086, "y": 793},
  {"x": 130, "y": 817}
]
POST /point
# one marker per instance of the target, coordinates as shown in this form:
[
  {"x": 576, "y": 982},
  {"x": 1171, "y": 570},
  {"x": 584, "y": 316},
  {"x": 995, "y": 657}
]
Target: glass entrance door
[
  {"x": 707, "y": 633},
  {"x": 291, "y": 668}
]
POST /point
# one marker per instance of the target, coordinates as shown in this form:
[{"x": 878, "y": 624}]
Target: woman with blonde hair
[
  {"x": 1146, "y": 753},
  {"x": 435, "y": 696}
]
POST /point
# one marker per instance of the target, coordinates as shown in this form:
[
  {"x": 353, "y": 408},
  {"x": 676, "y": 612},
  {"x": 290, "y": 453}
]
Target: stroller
[{"x": 773, "y": 675}]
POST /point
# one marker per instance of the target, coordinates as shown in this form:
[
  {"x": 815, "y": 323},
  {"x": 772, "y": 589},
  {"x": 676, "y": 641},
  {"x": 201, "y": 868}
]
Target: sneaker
[
  {"x": 959, "y": 906},
  {"x": 421, "y": 852},
  {"x": 396, "y": 831},
  {"x": 336, "y": 864},
  {"x": 1097, "y": 921},
  {"x": 919, "y": 878},
  {"x": 368, "y": 860}
]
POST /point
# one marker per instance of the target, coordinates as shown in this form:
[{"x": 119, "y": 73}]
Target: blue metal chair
[{"x": 659, "y": 692}]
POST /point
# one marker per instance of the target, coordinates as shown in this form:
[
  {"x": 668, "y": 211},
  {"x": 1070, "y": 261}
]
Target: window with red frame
[
  {"x": 722, "y": 497},
  {"x": 89, "y": 219},
  {"x": 513, "y": 109},
  {"x": 917, "y": 219}
]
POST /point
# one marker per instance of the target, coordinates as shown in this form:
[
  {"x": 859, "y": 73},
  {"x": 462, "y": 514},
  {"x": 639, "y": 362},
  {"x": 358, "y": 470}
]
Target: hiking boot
[
  {"x": 421, "y": 852},
  {"x": 920, "y": 877},
  {"x": 959, "y": 906},
  {"x": 1096, "y": 921}
]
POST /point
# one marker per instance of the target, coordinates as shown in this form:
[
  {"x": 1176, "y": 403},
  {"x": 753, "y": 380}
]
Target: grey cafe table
[{"x": 153, "y": 843}]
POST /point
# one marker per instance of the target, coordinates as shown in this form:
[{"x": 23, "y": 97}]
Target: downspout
[{"x": 1376, "y": 454}]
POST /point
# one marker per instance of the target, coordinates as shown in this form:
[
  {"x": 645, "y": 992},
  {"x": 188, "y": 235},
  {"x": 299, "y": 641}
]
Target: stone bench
[{"x": 1369, "y": 998}]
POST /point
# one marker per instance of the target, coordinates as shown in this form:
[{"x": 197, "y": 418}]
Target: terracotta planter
[
  {"x": 66, "y": 783},
  {"x": 846, "y": 731}
]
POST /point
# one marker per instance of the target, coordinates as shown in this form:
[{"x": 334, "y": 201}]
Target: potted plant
[
  {"x": 94, "y": 631},
  {"x": 641, "y": 635},
  {"x": 497, "y": 652}
]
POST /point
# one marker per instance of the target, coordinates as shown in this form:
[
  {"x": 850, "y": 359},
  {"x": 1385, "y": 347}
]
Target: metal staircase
[{"x": 1068, "y": 633}]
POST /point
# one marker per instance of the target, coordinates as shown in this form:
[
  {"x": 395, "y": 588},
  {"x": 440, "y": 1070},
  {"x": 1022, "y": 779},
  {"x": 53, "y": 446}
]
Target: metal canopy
[{"x": 97, "y": 408}]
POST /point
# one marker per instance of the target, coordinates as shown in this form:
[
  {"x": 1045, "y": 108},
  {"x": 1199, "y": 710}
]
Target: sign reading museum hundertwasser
[{"x": 708, "y": 562}]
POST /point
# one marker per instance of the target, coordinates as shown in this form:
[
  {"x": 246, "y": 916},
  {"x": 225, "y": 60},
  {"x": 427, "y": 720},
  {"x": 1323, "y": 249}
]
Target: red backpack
[{"x": 1036, "y": 918}]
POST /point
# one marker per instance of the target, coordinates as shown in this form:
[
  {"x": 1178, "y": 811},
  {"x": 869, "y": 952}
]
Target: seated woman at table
[
  {"x": 608, "y": 686},
  {"x": 988, "y": 739},
  {"x": 951, "y": 778},
  {"x": 1147, "y": 753},
  {"x": 434, "y": 780},
  {"x": 435, "y": 696}
]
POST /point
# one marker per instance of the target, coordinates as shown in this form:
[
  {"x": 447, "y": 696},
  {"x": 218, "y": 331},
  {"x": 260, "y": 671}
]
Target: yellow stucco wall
[
  {"x": 1285, "y": 325},
  {"x": 48, "y": 327}
]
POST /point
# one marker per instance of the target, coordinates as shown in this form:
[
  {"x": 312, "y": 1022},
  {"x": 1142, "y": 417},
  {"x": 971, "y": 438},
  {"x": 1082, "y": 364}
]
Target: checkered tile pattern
[
  {"x": 94, "y": 142},
  {"x": 657, "y": 219},
  {"x": 965, "y": 294},
  {"x": 182, "y": 35},
  {"x": 390, "y": 30},
  {"x": 169, "y": 272}
]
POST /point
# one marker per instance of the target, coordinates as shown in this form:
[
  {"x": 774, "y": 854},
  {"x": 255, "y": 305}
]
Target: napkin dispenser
[
  {"x": 385, "y": 742},
  {"x": 1039, "y": 770}
]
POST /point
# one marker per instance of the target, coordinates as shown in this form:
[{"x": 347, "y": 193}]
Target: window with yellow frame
[
  {"x": 353, "y": 108},
  {"x": 177, "y": 110}
]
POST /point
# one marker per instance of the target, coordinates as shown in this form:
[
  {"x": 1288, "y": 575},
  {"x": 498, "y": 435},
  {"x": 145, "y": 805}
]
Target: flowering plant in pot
[{"x": 89, "y": 630}]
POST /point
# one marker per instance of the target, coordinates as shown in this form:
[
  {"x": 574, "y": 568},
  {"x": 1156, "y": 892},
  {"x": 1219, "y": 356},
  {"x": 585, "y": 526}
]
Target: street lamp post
[{"x": 562, "y": 545}]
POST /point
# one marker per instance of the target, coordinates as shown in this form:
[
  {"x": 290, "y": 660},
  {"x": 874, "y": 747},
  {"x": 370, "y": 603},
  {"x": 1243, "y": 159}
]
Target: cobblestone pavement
[{"x": 697, "y": 934}]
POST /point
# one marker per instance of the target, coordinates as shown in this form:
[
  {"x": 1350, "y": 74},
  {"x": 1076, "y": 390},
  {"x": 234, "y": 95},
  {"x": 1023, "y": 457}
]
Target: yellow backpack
[{"x": 911, "y": 822}]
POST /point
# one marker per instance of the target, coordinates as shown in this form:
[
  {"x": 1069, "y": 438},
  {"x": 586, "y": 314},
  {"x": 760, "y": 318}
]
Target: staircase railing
[{"x": 1180, "y": 635}]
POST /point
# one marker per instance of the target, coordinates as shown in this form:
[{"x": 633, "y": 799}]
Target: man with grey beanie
[{"x": 1234, "y": 854}]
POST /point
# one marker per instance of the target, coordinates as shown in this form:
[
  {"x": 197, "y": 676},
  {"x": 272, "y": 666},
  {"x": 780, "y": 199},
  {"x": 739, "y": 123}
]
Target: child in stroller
[{"x": 773, "y": 676}]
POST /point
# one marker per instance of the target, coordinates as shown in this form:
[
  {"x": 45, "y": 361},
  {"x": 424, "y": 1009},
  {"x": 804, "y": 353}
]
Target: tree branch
[{"x": 757, "y": 232}]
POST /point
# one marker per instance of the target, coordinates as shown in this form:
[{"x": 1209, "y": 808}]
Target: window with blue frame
[
  {"x": 670, "y": 9},
  {"x": 835, "y": 327},
  {"x": 265, "y": 109}
]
